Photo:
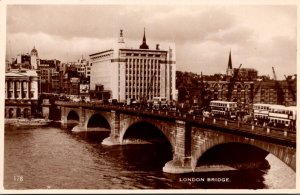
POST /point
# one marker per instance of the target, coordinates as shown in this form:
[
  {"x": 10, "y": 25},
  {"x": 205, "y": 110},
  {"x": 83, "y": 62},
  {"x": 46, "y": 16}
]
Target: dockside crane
[
  {"x": 280, "y": 92},
  {"x": 255, "y": 90},
  {"x": 291, "y": 89},
  {"x": 231, "y": 83}
]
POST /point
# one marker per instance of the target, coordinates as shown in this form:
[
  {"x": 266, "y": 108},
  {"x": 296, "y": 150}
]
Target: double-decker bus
[
  {"x": 223, "y": 109},
  {"x": 282, "y": 116},
  {"x": 261, "y": 113},
  {"x": 275, "y": 115}
]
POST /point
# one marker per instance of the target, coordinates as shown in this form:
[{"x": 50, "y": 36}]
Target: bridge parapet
[
  {"x": 181, "y": 130},
  {"x": 283, "y": 134}
]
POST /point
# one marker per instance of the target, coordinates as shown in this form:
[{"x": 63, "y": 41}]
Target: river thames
[{"x": 55, "y": 158}]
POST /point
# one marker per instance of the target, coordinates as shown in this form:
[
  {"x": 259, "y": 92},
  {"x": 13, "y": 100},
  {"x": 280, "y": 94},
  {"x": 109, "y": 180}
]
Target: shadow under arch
[
  {"x": 72, "y": 120},
  {"x": 234, "y": 155},
  {"x": 146, "y": 147},
  {"x": 98, "y": 121},
  {"x": 145, "y": 131},
  {"x": 73, "y": 116}
]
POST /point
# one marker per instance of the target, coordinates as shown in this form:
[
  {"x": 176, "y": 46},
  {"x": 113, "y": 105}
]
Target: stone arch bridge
[{"x": 190, "y": 136}]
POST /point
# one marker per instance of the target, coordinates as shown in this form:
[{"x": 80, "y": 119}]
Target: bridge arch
[
  {"x": 236, "y": 155},
  {"x": 284, "y": 153},
  {"x": 73, "y": 115},
  {"x": 97, "y": 119},
  {"x": 165, "y": 130}
]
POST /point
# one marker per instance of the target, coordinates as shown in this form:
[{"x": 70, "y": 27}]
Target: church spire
[
  {"x": 144, "y": 38},
  {"x": 144, "y": 44},
  {"x": 229, "y": 70}
]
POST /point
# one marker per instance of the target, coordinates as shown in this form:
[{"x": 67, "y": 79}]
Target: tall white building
[
  {"x": 34, "y": 58},
  {"x": 141, "y": 73}
]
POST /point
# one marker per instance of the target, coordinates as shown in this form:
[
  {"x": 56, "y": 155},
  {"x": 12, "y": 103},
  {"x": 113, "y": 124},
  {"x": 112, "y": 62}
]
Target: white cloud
[
  {"x": 259, "y": 36},
  {"x": 56, "y": 47}
]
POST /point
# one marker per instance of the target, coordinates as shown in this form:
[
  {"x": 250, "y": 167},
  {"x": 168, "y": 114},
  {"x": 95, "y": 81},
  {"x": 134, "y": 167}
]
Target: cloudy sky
[{"x": 258, "y": 36}]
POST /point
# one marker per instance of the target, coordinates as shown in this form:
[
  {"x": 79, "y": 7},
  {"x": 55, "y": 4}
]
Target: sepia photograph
[{"x": 128, "y": 96}]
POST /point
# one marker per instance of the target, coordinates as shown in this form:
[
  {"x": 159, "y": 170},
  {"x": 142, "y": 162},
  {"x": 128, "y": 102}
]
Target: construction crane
[
  {"x": 231, "y": 83},
  {"x": 291, "y": 89},
  {"x": 280, "y": 92},
  {"x": 274, "y": 74},
  {"x": 255, "y": 90}
]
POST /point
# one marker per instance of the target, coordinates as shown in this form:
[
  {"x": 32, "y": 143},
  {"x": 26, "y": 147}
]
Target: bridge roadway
[{"x": 190, "y": 135}]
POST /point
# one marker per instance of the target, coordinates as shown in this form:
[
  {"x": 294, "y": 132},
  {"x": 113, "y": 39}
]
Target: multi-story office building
[
  {"x": 21, "y": 93},
  {"x": 88, "y": 71},
  {"x": 55, "y": 82},
  {"x": 82, "y": 67},
  {"x": 240, "y": 92},
  {"x": 47, "y": 68},
  {"x": 22, "y": 61},
  {"x": 71, "y": 81},
  {"x": 276, "y": 92},
  {"x": 139, "y": 74}
]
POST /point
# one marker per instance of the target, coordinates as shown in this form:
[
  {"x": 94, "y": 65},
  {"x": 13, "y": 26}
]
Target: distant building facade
[
  {"x": 26, "y": 61},
  {"x": 241, "y": 85},
  {"x": 245, "y": 74},
  {"x": 240, "y": 92},
  {"x": 21, "y": 93},
  {"x": 134, "y": 73},
  {"x": 276, "y": 92},
  {"x": 81, "y": 66},
  {"x": 74, "y": 83},
  {"x": 46, "y": 70}
]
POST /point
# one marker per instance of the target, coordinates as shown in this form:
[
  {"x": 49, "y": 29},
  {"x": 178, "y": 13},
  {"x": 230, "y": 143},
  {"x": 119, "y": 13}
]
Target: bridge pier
[
  {"x": 181, "y": 162},
  {"x": 82, "y": 126},
  {"x": 114, "y": 137},
  {"x": 63, "y": 121}
]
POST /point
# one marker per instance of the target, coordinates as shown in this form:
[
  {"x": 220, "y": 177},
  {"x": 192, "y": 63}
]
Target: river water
[{"x": 55, "y": 158}]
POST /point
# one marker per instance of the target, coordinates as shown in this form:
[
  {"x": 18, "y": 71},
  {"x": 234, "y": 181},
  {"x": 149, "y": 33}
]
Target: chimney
[{"x": 157, "y": 46}]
